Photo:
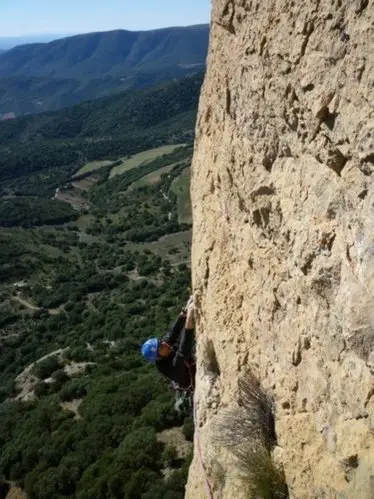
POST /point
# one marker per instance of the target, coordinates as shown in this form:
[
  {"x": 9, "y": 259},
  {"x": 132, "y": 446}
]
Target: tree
[
  {"x": 139, "y": 482},
  {"x": 140, "y": 449},
  {"x": 169, "y": 456},
  {"x": 41, "y": 389},
  {"x": 44, "y": 368},
  {"x": 188, "y": 428}
]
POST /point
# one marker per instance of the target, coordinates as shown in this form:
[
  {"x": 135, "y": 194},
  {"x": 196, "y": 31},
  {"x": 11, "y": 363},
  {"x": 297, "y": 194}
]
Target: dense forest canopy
[{"x": 91, "y": 266}]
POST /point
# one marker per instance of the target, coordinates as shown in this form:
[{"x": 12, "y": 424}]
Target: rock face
[{"x": 283, "y": 249}]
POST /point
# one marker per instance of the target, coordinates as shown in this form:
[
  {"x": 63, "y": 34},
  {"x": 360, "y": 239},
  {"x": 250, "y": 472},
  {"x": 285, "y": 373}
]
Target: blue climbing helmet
[{"x": 150, "y": 349}]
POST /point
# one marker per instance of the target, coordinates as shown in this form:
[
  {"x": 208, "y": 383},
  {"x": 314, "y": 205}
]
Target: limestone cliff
[{"x": 283, "y": 247}]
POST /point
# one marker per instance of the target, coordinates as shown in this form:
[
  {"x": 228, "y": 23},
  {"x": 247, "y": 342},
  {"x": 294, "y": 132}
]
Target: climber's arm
[
  {"x": 186, "y": 343},
  {"x": 172, "y": 336},
  {"x": 190, "y": 318}
]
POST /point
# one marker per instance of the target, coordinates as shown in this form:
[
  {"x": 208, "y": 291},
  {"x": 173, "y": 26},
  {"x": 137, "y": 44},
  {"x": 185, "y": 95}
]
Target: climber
[{"x": 173, "y": 353}]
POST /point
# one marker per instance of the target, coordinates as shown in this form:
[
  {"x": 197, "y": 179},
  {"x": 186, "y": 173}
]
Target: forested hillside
[
  {"x": 44, "y": 76},
  {"x": 37, "y": 153},
  {"x": 94, "y": 245},
  {"x": 124, "y": 113}
]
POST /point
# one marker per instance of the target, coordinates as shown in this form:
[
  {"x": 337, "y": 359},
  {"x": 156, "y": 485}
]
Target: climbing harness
[
  {"x": 184, "y": 396},
  {"x": 183, "y": 402}
]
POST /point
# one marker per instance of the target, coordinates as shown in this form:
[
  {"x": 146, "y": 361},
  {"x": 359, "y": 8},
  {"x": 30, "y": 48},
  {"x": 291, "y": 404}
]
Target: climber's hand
[
  {"x": 190, "y": 316},
  {"x": 190, "y": 301}
]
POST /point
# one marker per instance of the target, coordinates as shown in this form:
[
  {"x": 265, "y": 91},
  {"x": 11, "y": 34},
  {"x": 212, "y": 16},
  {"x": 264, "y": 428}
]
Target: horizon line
[{"x": 76, "y": 33}]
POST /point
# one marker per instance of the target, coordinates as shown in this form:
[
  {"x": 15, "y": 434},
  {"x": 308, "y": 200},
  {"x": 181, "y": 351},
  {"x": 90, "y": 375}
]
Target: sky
[{"x": 29, "y": 17}]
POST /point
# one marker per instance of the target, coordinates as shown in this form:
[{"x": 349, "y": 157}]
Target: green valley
[{"x": 91, "y": 265}]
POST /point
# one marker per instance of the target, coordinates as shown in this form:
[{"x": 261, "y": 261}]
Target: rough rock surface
[{"x": 283, "y": 249}]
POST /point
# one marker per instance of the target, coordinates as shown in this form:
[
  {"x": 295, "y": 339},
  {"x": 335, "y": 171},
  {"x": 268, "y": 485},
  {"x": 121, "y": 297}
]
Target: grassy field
[
  {"x": 151, "y": 178},
  {"x": 91, "y": 167},
  {"x": 143, "y": 158},
  {"x": 181, "y": 187},
  {"x": 175, "y": 247}
]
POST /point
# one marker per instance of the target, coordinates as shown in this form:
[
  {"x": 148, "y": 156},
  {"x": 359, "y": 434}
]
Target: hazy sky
[{"x": 24, "y": 17}]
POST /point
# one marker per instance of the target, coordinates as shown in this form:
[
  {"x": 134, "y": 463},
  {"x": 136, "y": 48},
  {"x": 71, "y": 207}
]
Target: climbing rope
[{"x": 209, "y": 492}]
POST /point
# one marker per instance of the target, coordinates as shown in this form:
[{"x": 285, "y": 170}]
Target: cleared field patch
[
  {"x": 181, "y": 188},
  {"x": 73, "y": 193},
  {"x": 93, "y": 166},
  {"x": 143, "y": 158},
  {"x": 151, "y": 178},
  {"x": 175, "y": 247},
  {"x": 86, "y": 183},
  {"x": 73, "y": 197}
]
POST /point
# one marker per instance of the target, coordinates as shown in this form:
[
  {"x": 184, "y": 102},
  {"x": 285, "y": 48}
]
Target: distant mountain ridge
[
  {"x": 94, "y": 55},
  {"x": 8, "y": 42},
  {"x": 47, "y": 76}
]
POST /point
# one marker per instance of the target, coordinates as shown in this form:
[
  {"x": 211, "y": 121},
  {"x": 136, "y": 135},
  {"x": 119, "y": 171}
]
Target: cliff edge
[{"x": 283, "y": 245}]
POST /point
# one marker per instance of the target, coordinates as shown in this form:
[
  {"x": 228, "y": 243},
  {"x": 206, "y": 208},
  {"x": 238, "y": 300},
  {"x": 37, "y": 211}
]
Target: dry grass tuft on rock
[
  {"x": 257, "y": 469},
  {"x": 247, "y": 431},
  {"x": 259, "y": 408}
]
